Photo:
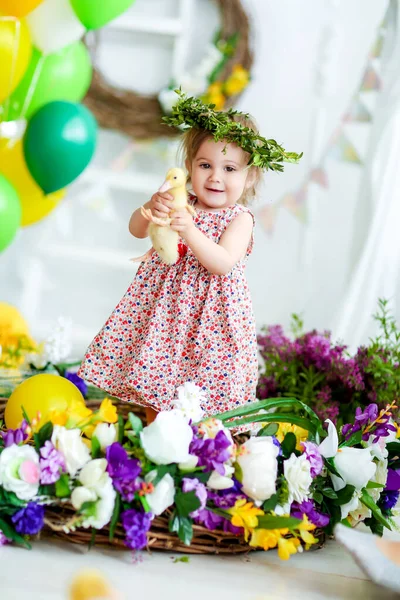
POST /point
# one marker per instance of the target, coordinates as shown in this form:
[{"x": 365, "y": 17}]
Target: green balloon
[
  {"x": 64, "y": 75},
  {"x": 59, "y": 143},
  {"x": 10, "y": 213},
  {"x": 94, "y": 13}
]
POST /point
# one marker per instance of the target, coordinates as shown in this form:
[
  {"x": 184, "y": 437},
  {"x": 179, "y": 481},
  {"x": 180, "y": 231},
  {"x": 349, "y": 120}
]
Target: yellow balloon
[
  {"x": 18, "y": 8},
  {"x": 43, "y": 393},
  {"x": 35, "y": 205},
  {"x": 15, "y": 53}
]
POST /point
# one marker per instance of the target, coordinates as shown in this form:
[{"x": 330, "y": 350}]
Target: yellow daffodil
[
  {"x": 300, "y": 433},
  {"x": 304, "y": 529},
  {"x": 214, "y": 95},
  {"x": 266, "y": 538},
  {"x": 287, "y": 547},
  {"x": 107, "y": 412},
  {"x": 237, "y": 81},
  {"x": 244, "y": 514}
]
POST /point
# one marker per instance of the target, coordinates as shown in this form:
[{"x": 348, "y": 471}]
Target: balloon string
[
  {"x": 32, "y": 86},
  {"x": 17, "y": 40}
]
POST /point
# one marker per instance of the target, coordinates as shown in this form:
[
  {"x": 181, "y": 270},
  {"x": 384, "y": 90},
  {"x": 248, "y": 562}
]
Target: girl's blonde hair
[{"x": 194, "y": 137}]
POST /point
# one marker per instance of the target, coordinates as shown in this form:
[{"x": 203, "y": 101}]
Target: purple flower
[
  {"x": 307, "y": 507},
  {"x": 76, "y": 380},
  {"x": 393, "y": 480},
  {"x": 379, "y": 427},
  {"x": 314, "y": 457},
  {"x": 136, "y": 525},
  {"x": 212, "y": 521},
  {"x": 3, "y": 539},
  {"x": 194, "y": 485},
  {"x": 52, "y": 464},
  {"x": 388, "y": 499},
  {"x": 212, "y": 453},
  {"x": 15, "y": 436},
  {"x": 227, "y": 498},
  {"x": 29, "y": 520},
  {"x": 123, "y": 471}
]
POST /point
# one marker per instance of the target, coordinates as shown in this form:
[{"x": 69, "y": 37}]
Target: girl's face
[{"x": 219, "y": 179}]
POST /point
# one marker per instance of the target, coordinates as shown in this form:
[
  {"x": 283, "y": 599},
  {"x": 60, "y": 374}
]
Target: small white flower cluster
[{"x": 55, "y": 348}]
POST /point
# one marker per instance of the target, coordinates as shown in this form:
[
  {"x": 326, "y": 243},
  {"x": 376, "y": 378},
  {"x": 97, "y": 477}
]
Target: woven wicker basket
[{"x": 159, "y": 538}]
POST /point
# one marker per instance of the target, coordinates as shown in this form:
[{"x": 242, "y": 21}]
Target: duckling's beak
[{"x": 167, "y": 185}]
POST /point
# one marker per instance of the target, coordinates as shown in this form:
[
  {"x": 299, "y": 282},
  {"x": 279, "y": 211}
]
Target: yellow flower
[
  {"x": 107, "y": 412},
  {"x": 300, "y": 433},
  {"x": 286, "y": 547},
  {"x": 237, "y": 81},
  {"x": 215, "y": 96},
  {"x": 304, "y": 529},
  {"x": 244, "y": 514},
  {"x": 266, "y": 538}
]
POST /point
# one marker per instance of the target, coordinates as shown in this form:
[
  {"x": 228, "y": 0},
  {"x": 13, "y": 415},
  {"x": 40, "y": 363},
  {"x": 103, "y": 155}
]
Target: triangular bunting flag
[
  {"x": 295, "y": 203},
  {"x": 377, "y": 48},
  {"x": 318, "y": 175},
  {"x": 358, "y": 112},
  {"x": 370, "y": 81},
  {"x": 267, "y": 217},
  {"x": 342, "y": 149}
]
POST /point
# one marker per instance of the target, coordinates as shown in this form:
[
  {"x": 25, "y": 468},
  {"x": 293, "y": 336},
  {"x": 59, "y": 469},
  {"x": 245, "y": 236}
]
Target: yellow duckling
[
  {"x": 90, "y": 584},
  {"x": 164, "y": 239}
]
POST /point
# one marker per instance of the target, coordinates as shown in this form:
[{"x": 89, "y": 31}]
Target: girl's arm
[
  {"x": 219, "y": 258},
  {"x": 159, "y": 204},
  {"x": 138, "y": 225}
]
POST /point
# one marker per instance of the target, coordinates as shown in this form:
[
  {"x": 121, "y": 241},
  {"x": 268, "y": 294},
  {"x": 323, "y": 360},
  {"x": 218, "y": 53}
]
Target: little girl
[{"x": 192, "y": 321}]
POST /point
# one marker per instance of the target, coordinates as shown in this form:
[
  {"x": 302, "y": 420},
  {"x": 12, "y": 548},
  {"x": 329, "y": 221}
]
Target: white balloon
[{"x": 54, "y": 25}]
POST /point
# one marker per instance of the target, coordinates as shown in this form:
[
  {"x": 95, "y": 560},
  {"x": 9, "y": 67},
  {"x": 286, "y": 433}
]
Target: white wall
[{"x": 49, "y": 270}]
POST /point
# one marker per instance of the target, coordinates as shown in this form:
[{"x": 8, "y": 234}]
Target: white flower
[
  {"x": 258, "y": 462},
  {"x": 354, "y": 465},
  {"x": 69, "y": 442},
  {"x": 167, "y": 439},
  {"x": 19, "y": 471},
  {"x": 96, "y": 487},
  {"x": 221, "y": 482},
  {"x": 189, "y": 401},
  {"x": 189, "y": 464},
  {"x": 297, "y": 473},
  {"x": 163, "y": 495},
  {"x": 352, "y": 505},
  {"x": 379, "y": 477},
  {"x": 58, "y": 344},
  {"x": 106, "y": 433},
  {"x": 378, "y": 447}
]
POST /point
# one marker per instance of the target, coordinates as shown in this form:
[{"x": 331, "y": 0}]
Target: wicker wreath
[{"x": 140, "y": 116}]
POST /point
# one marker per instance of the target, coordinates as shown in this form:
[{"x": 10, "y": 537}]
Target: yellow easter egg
[{"x": 44, "y": 393}]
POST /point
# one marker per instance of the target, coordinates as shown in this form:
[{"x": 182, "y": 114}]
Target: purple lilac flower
[
  {"x": 212, "y": 521},
  {"x": 266, "y": 387},
  {"x": 227, "y": 498},
  {"x": 76, "y": 380},
  {"x": 307, "y": 507},
  {"x": 388, "y": 499},
  {"x": 29, "y": 520},
  {"x": 194, "y": 485},
  {"x": 212, "y": 453},
  {"x": 3, "y": 539},
  {"x": 15, "y": 436},
  {"x": 314, "y": 457},
  {"x": 364, "y": 419},
  {"x": 136, "y": 525},
  {"x": 52, "y": 464},
  {"x": 124, "y": 471}
]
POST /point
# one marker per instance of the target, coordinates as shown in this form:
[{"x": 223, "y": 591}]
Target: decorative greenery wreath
[{"x": 141, "y": 116}]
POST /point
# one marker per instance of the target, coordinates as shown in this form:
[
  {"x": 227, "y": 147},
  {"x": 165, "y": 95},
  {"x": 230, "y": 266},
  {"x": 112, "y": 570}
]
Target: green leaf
[
  {"x": 115, "y": 516},
  {"x": 393, "y": 448},
  {"x": 12, "y": 535},
  {"x": 184, "y": 559},
  {"x": 120, "y": 428},
  {"x": 183, "y": 527},
  {"x": 163, "y": 470},
  {"x": 62, "y": 486},
  {"x": 92, "y": 538},
  {"x": 11, "y": 499},
  {"x": 96, "y": 448},
  {"x": 268, "y": 430},
  {"x": 353, "y": 439},
  {"x": 329, "y": 493},
  {"x": 25, "y": 415},
  {"x": 330, "y": 465},
  {"x": 45, "y": 433},
  {"x": 289, "y": 444},
  {"x": 344, "y": 495},
  {"x": 276, "y": 522},
  {"x": 135, "y": 423},
  {"x": 186, "y": 502},
  {"x": 270, "y": 503},
  {"x": 318, "y": 497},
  {"x": 276, "y": 417},
  {"x": 372, "y": 485},
  {"x": 370, "y": 503}
]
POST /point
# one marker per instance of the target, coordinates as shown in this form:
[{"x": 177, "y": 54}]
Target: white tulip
[
  {"x": 163, "y": 495},
  {"x": 258, "y": 462},
  {"x": 168, "y": 438},
  {"x": 69, "y": 442},
  {"x": 106, "y": 434}
]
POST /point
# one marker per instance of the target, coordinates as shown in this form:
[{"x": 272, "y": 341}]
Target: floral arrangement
[
  {"x": 203, "y": 82},
  {"x": 277, "y": 488},
  {"x": 325, "y": 375}
]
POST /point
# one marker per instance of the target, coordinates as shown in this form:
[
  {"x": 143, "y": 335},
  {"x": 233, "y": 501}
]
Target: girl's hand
[
  {"x": 182, "y": 222},
  {"x": 161, "y": 204}
]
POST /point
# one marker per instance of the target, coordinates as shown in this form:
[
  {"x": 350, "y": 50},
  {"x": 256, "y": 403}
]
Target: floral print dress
[{"x": 180, "y": 323}]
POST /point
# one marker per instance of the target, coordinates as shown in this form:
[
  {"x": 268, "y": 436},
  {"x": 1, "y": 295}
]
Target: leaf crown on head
[{"x": 191, "y": 112}]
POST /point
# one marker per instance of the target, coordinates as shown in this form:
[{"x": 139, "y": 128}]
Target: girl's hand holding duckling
[
  {"x": 160, "y": 204},
  {"x": 182, "y": 222}
]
